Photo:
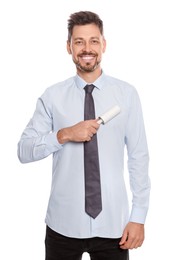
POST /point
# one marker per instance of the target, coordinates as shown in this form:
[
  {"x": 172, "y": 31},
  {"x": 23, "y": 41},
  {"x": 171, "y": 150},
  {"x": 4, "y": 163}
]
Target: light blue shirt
[{"x": 62, "y": 105}]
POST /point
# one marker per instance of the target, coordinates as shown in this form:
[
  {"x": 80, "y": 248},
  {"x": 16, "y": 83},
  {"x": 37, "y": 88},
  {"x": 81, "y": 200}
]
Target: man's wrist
[{"x": 62, "y": 136}]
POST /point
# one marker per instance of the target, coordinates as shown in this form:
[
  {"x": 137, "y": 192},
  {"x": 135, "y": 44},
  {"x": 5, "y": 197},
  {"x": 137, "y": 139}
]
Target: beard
[{"x": 88, "y": 67}]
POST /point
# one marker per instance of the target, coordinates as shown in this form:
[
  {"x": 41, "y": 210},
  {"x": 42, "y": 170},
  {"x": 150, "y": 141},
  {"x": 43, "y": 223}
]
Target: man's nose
[{"x": 87, "y": 47}]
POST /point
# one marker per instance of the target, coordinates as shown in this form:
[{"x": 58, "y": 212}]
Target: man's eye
[
  {"x": 79, "y": 42},
  {"x": 95, "y": 42}
]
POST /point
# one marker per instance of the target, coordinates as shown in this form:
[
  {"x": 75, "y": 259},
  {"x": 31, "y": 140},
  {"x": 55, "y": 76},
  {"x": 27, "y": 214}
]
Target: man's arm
[
  {"x": 39, "y": 141},
  {"x": 138, "y": 160}
]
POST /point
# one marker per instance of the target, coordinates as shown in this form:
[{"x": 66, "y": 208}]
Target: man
[{"x": 60, "y": 127}]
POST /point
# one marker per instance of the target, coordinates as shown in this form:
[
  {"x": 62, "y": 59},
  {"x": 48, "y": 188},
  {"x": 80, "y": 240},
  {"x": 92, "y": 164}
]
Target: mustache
[{"x": 87, "y": 53}]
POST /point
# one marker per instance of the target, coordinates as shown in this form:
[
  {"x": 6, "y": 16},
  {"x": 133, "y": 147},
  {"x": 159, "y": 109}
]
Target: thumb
[{"x": 124, "y": 238}]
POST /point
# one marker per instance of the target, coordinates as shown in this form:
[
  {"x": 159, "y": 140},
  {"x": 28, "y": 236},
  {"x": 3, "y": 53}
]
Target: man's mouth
[{"x": 87, "y": 57}]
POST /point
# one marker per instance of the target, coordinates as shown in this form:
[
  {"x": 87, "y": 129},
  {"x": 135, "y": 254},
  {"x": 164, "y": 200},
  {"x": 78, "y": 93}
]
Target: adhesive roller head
[{"x": 103, "y": 119}]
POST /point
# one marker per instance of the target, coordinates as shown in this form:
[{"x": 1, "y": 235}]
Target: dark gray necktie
[{"x": 93, "y": 203}]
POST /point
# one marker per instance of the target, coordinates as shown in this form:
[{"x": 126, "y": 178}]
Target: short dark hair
[{"x": 83, "y": 18}]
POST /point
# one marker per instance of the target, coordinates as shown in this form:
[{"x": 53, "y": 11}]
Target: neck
[{"x": 90, "y": 77}]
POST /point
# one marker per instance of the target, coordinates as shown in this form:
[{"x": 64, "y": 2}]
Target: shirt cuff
[
  {"x": 138, "y": 215},
  {"x": 51, "y": 142}
]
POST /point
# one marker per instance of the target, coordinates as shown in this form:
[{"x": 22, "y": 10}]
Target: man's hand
[
  {"x": 133, "y": 236},
  {"x": 81, "y": 132}
]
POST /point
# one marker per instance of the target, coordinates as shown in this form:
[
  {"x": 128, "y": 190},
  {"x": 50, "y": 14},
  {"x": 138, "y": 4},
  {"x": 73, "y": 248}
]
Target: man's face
[{"x": 86, "y": 47}]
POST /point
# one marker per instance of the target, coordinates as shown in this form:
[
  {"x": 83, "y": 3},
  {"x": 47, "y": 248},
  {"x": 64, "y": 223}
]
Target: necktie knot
[{"x": 89, "y": 88}]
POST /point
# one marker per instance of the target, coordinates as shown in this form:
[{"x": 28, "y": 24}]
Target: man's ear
[
  {"x": 68, "y": 47},
  {"x": 104, "y": 45}
]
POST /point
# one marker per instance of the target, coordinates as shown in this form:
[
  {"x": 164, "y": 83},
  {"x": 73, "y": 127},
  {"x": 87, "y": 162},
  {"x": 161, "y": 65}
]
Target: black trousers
[{"x": 59, "y": 247}]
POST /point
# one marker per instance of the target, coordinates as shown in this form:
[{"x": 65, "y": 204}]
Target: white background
[{"x": 32, "y": 57}]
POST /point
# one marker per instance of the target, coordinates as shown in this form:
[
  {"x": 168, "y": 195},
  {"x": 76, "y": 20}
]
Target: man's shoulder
[
  {"x": 57, "y": 89},
  {"x": 119, "y": 83},
  {"x": 64, "y": 83},
  {"x": 59, "y": 86}
]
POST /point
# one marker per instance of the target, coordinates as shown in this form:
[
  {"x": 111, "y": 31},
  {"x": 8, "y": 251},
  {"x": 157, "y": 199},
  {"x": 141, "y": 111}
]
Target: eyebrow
[{"x": 80, "y": 38}]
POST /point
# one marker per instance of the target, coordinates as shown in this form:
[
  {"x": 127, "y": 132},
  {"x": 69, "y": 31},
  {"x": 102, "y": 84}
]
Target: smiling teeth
[{"x": 87, "y": 57}]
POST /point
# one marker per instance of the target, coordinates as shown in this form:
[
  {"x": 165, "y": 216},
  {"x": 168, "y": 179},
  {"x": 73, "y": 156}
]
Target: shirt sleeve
[
  {"x": 138, "y": 160},
  {"x": 38, "y": 140}
]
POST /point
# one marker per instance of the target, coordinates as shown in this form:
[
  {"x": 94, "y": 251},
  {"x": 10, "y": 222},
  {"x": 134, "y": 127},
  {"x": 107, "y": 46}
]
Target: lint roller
[{"x": 107, "y": 116}]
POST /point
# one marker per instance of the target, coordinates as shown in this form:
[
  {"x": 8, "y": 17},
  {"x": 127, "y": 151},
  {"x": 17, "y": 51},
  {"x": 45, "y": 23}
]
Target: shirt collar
[{"x": 98, "y": 83}]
